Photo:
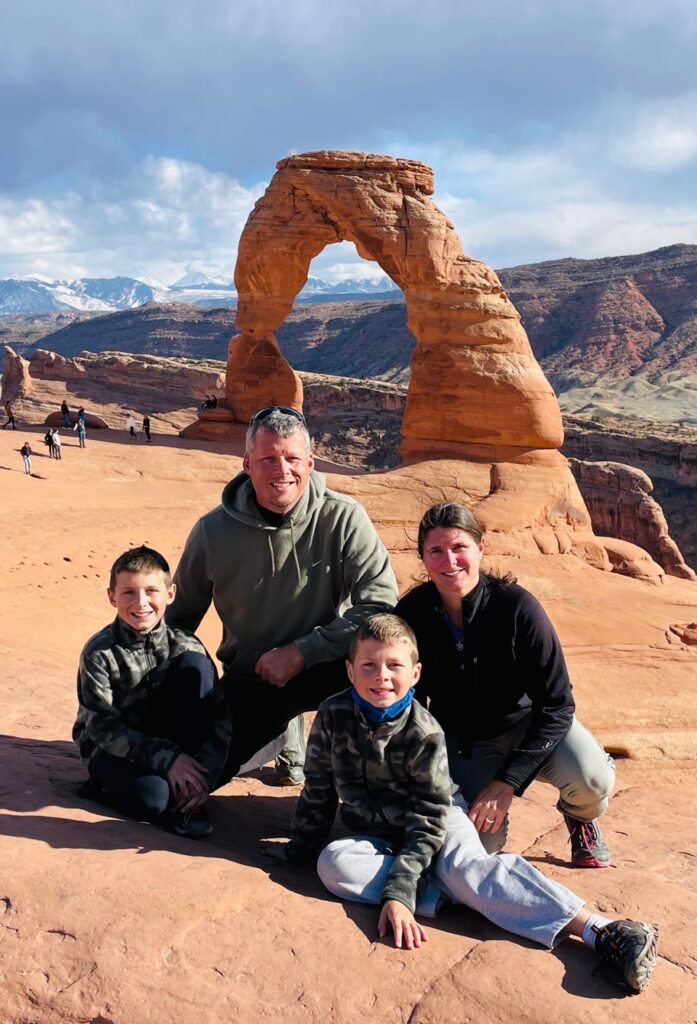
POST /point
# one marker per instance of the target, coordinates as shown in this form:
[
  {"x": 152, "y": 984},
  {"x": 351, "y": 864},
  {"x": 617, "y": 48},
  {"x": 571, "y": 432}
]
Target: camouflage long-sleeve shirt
[
  {"x": 392, "y": 781},
  {"x": 120, "y": 671}
]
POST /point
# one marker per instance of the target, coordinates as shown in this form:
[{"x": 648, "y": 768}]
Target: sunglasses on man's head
[{"x": 287, "y": 410}]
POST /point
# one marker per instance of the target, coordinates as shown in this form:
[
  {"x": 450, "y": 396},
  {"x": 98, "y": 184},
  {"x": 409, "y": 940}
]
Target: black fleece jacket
[{"x": 511, "y": 667}]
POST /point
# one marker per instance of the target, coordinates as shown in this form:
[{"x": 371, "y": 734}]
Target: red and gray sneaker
[
  {"x": 588, "y": 848},
  {"x": 629, "y": 949}
]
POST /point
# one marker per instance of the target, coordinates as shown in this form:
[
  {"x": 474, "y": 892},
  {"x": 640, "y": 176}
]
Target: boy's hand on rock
[
  {"x": 187, "y": 781},
  {"x": 405, "y": 927}
]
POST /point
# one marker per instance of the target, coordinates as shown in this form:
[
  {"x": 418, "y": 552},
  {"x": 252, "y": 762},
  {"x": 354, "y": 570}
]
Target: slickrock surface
[
  {"x": 476, "y": 389},
  {"x": 114, "y": 922}
]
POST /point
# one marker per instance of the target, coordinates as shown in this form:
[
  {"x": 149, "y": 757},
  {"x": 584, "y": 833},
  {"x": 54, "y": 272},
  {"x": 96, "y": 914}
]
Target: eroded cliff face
[
  {"x": 671, "y": 458},
  {"x": 619, "y": 500},
  {"x": 180, "y": 379}
]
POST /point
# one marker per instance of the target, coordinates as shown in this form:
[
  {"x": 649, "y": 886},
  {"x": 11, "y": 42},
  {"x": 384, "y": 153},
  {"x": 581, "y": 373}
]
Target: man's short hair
[
  {"x": 142, "y": 559},
  {"x": 280, "y": 420},
  {"x": 386, "y": 629}
]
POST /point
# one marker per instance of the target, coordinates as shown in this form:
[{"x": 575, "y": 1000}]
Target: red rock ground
[{"x": 106, "y": 920}]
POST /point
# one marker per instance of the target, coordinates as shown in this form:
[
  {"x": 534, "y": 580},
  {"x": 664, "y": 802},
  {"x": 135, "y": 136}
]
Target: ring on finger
[{"x": 490, "y": 821}]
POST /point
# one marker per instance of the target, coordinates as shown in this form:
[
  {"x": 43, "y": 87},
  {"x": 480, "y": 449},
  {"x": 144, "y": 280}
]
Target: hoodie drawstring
[{"x": 295, "y": 553}]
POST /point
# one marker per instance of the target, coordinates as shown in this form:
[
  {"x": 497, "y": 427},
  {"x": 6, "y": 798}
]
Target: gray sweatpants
[
  {"x": 579, "y": 768},
  {"x": 504, "y": 887}
]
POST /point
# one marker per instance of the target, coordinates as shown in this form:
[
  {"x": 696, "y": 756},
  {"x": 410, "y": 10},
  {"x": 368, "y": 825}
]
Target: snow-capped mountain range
[{"x": 38, "y": 294}]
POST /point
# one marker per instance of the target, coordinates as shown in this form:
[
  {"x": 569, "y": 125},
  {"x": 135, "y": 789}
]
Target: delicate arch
[{"x": 476, "y": 389}]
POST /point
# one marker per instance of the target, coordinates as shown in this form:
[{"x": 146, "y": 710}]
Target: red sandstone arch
[{"x": 476, "y": 389}]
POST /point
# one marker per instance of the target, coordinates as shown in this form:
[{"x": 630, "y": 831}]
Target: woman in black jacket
[{"x": 495, "y": 679}]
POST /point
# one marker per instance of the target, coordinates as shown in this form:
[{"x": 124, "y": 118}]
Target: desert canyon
[{"x": 110, "y": 921}]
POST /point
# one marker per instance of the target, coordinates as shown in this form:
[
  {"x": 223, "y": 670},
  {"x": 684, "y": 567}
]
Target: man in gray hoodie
[{"x": 292, "y": 569}]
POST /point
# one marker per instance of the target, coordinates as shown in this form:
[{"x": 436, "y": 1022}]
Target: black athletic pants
[
  {"x": 179, "y": 711},
  {"x": 260, "y": 711}
]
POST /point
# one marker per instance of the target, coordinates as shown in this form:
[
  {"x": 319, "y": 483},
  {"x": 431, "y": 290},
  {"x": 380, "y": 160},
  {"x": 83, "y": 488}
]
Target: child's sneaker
[
  {"x": 588, "y": 848},
  {"x": 630, "y": 949},
  {"x": 288, "y": 775},
  {"x": 197, "y": 826}
]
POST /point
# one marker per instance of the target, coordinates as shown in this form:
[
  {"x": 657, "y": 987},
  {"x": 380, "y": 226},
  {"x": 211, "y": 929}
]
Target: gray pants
[
  {"x": 579, "y": 768},
  {"x": 504, "y": 888},
  {"x": 293, "y": 753},
  {"x": 27, "y": 464}
]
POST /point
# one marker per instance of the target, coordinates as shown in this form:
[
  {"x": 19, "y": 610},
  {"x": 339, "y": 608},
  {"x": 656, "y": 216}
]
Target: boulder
[
  {"x": 92, "y": 421},
  {"x": 631, "y": 560},
  {"x": 16, "y": 379}
]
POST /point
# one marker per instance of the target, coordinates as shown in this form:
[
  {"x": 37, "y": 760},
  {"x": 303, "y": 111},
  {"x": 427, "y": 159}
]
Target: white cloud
[
  {"x": 166, "y": 216},
  {"x": 661, "y": 135},
  {"x": 584, "y": 229}
]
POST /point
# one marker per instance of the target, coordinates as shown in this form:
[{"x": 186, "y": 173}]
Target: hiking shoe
[
  {"x": 588, "y": 848},
  {"x": 289, "y": 775},
  {"x": 198, "y": 826},
  {"x": 629, "y": 948}
]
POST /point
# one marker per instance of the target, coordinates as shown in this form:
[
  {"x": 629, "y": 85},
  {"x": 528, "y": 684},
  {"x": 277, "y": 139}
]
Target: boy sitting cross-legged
[
  {"x": 383, "y": 756},
  {"x": 152, "y": 724}
]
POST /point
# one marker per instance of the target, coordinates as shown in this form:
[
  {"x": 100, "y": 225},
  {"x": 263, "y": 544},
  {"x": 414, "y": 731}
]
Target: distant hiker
[
  {"x": 146, "y": 427},
  {"x": 81, "y": 431},
  {"x": 213, "y": 402},
  {"x": 26, "y": 453},
  {"x": 131, "y": 426},
  {"x": 56, "y": 444},
  {"x": 204, "y": 403},
  {"x": 48, "y": 441},
  {"x": 66, "y": 413},
  {"x": 10, "y": 416},
  {"x": 152, "y": 726}
]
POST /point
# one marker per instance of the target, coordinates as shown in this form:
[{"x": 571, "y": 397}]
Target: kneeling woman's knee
[{"x": 599, "y": 777}]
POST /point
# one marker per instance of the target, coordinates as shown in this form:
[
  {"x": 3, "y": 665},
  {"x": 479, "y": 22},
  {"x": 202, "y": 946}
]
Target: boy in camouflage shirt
[
  {"x": 152, "y": 725},
  {"x": 383, "y": 756}
]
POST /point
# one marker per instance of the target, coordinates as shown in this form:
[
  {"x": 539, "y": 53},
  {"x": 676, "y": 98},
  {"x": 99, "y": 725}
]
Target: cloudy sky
[{"x": 136, "y": 136}]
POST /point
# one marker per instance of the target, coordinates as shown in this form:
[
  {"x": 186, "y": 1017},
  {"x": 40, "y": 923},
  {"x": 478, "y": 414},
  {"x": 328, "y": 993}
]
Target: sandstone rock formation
[
  {"x": 619, "y": 500},
  {"x": 666, "y": 456},
  {"x": 16, "y": 379},
  {"x": 476, "y": 389},
  {"x": 192, "y": 379},
  {"x": 92, "y": 420}
]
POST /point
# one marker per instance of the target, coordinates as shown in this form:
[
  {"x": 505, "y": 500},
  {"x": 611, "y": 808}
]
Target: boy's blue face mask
[{"x": 379, "y": 715}]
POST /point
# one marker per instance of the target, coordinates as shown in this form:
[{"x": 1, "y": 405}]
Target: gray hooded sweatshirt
[{"x": 311, "y": 581}]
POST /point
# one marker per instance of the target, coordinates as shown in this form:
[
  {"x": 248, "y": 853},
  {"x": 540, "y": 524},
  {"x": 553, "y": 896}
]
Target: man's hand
[
  {"x": 187, "y": 781},
  {"x": 490, "y": 807},
  {"x": 280, "y": 664},
  {"x": 404, "y": 926}
]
